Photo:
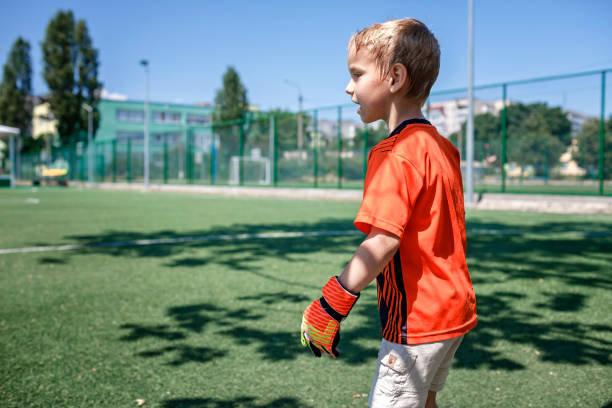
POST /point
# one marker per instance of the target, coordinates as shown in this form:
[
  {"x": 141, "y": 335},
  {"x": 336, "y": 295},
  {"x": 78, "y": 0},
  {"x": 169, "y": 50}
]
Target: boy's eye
[{"x": 356, "y": 74}]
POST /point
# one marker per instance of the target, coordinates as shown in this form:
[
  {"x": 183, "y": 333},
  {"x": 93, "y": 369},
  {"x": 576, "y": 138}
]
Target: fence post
[
  {"x": 274, "y": 150},
  {"x": 315, "y": 148},
  {"x": 129, "y": 161},
  {"x": 102, "y": 164},
  {"x": 187, "y": 158},
  {"x": 240, "y": 153},
  {"x": 114, "y": 160},
  {"x": 165, "y": 158},
  {"x": 602, "y": 132},
  {"x": 504, "y": 136},
  {"x": 339, "y": 137},
  {"x": 72, "y": 160},
  {"x": 82, "y": 166},
  {"x": 365, "y": 146},
  {"x": 213, "y": 157}
]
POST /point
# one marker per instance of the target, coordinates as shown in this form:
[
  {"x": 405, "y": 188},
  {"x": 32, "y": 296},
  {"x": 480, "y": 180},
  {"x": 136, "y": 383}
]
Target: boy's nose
[{"x": 349, "y": 88}]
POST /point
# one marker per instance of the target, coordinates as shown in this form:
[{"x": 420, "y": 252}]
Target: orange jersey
[{"x": 413, "y": 189}]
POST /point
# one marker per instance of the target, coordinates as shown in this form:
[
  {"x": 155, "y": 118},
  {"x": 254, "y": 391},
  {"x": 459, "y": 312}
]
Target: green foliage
[
  {"x": 231, "y": 100},
  {"x": 487, "y": 136},
  {"x": 537, "y": 134},
  {"x": 287, "y": 129},
  {"x": 534, "y": 143},
  {"x": 587, "y": 155},
  {"x": 16, "y": 89},
  {"x": 71, "y": 73},
  {"x": 88, "y": 86},
  {"x": 375, "y": 134}
]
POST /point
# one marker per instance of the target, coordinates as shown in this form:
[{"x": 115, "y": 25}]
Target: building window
[
  {"x": 123, "y": 136},
  {"x": 125, "y": 115},
  {"x": 167, "y": 117},
  {"x": 198, "y": 120},
  {"x": 170, "y": 138}
]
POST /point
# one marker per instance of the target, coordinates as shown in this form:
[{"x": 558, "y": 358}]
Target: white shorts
[{"x": 405, "y": 373}]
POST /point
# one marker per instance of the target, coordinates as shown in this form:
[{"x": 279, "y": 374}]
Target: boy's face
[{"x": 367, "y": 87}]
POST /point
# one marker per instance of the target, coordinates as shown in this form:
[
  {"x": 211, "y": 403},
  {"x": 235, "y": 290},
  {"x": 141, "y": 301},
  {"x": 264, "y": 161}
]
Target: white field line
[
  {"x": 271, "y": 235},
  {"x": 197, "y": 238}
]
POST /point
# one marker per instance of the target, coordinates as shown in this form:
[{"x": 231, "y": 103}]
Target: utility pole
[
  {"x": 300, "y": 141},
  {"x": 145, "y": 64},
  {"x": 90, "y": 149},
  {"x": 469, "y": 145}
]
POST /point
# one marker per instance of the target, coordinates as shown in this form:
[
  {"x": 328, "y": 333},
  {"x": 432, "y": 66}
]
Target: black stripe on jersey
[
  {"x": 379, "y": 148},
  {"x": 391, "y": 296},
  {"x": 388, "y": 141},
  {"x": 403, "y": 307},
  {"x": 382, "y": 305}
]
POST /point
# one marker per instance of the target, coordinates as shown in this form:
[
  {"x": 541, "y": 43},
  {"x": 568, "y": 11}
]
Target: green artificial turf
[{"x": 216, "y": 323}]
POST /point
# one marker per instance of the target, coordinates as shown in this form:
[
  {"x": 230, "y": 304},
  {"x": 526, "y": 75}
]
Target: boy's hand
[{"x": 321, "y": 320}]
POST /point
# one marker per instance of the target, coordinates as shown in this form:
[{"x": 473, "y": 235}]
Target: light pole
[
  {"x": 90, "y": 172},
  {"x": 300, "y": 99},
  {"x": 469, "y": 142},
  {"x": 145, "y": 64}
]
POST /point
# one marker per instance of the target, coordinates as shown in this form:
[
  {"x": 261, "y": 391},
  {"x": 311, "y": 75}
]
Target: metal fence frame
[{"x": 109, "y": 154}]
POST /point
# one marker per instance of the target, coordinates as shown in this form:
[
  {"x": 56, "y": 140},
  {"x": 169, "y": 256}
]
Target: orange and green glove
[{"x": 321, "y": 320}]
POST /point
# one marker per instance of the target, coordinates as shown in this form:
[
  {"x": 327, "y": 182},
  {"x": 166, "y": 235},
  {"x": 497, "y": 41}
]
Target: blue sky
[{"x": 190, "y": 43}]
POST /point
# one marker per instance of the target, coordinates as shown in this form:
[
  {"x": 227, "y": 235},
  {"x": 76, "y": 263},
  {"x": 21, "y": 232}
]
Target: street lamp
[
  {"x": 90, "y": 172},
  {"x": 300, "y": 99},
  {"x": 469, "y": 142},
  {"x": 145, "y": 64}
]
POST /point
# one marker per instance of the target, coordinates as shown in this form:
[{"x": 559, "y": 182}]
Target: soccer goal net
[{"x": 251, "y": 170}]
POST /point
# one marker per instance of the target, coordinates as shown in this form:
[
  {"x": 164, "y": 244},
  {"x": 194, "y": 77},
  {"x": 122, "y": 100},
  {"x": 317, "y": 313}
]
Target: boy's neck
[{"x": 401, "y": 112}]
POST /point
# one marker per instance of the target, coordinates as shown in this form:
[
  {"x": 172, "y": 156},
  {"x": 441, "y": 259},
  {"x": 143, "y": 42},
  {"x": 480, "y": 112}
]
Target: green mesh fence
[{"x": 549, "y": 135}]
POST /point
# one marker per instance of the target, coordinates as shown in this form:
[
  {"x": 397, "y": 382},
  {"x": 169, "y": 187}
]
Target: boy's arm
[
  {"x": 321, "y": 320},
  {"x": 371, "y": 257}
]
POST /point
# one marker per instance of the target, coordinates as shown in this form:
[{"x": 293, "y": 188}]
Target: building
[
  {"x": 328, "y": 129},
  {"x": 123, "y": 120},
  {"x": 448, "y": 116},
  {"x": 43, "y": 122},
  {"x": 578, "y": 119}
]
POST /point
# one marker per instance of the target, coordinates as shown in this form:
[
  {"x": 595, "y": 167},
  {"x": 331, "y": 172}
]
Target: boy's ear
[{"x": 398, "y": 77}]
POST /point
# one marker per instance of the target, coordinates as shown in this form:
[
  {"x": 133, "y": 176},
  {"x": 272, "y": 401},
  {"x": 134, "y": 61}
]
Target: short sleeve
[{"x": 390, "y": 190}]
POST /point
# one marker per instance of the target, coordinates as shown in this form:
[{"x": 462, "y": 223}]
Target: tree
[
  {"x": 487, "y": 136},
  {"x": 537, "y": 135},
  {"x": 535, "y": 144},
  {"x": 556, "y": 120},
  {"x": 88, "y": 86},
  {"x": 231, "y": 100},
  {"x": 71, "y": 73},
  {"x": 376, "y": 134},
  {"x": 16, "y": 89},
  {"x": 587, "y": 155}
]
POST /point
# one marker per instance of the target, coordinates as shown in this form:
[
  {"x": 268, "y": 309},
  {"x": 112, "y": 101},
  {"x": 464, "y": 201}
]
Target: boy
[{"x": 412, "y": 211}]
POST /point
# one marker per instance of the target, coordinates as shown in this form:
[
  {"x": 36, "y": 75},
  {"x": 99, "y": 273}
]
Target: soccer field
[{"x": 187, "y": 300}]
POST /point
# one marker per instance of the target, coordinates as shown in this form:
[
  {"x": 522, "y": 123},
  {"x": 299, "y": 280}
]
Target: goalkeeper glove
[{"x": 321, "y": 320}]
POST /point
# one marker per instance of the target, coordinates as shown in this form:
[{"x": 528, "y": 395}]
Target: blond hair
[{"x": 409, "y": 42}]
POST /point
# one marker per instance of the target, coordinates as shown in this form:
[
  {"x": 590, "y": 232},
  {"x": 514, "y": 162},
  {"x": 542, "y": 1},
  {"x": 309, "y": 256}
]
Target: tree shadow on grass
[
  {"x": 512, "y": 257},
  {"x": 159, "y": 331},
  {"x": 239, "y": 402},
  {"x": 558, "y": 342},
  {"x": 49, "y": 260},
  {"x": 237, "y": 239},
  {"x": 185, "y": 354}
]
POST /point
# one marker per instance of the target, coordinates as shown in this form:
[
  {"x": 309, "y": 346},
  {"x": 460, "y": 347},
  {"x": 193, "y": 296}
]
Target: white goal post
[{"x": 255, "y": 170}]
